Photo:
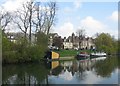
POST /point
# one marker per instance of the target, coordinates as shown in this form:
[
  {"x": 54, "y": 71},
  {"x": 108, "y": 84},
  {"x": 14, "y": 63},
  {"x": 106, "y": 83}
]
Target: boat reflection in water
[
  {"x": 98, "y": 58},
  {"x": 54, "y": 67},
  {"x": 51, "y": 64}
]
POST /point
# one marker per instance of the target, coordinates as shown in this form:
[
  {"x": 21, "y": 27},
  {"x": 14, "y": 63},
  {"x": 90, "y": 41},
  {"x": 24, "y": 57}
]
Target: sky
[{"x": 94, "y": 17}]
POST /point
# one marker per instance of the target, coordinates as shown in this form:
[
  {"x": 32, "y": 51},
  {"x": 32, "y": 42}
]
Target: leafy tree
[
  {"x": 41, "y": 44},
  {"x": 42, "y": 39},
  {"x": 8, "y": 54},
  {"x": 104, "y": 42},
  {"x": 6, "y": 43}
]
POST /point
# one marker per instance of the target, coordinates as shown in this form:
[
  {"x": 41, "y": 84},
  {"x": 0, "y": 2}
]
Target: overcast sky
[{"x": 94, "y": 17}]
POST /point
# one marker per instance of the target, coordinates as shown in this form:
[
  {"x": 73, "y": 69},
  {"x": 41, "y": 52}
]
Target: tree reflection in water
[
  {"x": 100, "y": 66},
  {"x": 104, "y": 68},
  {"x": 40, "y": 73},
  {"x": 24, "y": 74}
]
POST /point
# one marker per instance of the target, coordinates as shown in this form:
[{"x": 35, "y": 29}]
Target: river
[{"x": 90, "y": 71}]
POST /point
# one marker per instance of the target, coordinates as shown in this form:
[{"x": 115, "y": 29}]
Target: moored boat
[
  {"x": 82, "y": 55},
  {"x": 51, "y": 55},
  {"x": 98, "y": 54}
]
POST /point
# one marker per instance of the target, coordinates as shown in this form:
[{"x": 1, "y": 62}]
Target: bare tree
[
  {"x": 23, "y": 18},
  {"x": 45, "y": 17},
  {"x": 81, "y": 35},
  {"x": 50, "y": 19},
  {"x": 30, "y": 9},
  {"x": 35, "y": 17},
  {"x": 5, "y": 18},
  {"x": 40, "y": 19}
]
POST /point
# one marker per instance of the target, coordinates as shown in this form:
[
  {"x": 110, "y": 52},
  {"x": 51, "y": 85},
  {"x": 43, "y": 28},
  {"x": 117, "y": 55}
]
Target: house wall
[
  {"x": 50, "y": 42},
  {"x": 72, "y": 42},
  {"x": 67, "y": 45}
]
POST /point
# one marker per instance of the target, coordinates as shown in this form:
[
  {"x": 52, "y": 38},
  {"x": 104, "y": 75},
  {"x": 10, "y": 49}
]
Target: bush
[
  {"x": 35, "y": 53},
  {"x": 22, "y": 51},
  {"x": 10, "y": 57}
]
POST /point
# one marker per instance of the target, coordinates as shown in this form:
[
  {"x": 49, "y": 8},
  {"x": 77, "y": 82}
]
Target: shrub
[{"x": 10, "y": 57}]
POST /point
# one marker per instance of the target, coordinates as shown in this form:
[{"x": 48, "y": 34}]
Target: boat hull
[
  {"x": 82, "y": 57},
  {"x": 50, "y": 55},
  {"x": 97, "y": 55}
]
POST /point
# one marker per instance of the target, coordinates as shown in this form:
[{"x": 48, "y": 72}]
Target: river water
[{"x": 89, "y": 71}]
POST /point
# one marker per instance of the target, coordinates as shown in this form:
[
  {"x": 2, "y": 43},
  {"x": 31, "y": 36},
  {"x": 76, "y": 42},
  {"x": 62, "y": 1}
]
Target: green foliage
[
  {"x": 7, "y": 53},
  {"x": 6, "y": 44},
  {"x": 104, "y": 42},
  {"x": 10, "y": 57},
  {"x": 35, "y": 53},
  {"x": 22, "y": 51},
  {"x": 42, "y": 39}
]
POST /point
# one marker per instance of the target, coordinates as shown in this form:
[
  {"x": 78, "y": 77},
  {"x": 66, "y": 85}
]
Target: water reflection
[
  {"x": 88, "y": 71},
  {"x": 54, "y": 66},
  {"x": 24, "y": 74}
]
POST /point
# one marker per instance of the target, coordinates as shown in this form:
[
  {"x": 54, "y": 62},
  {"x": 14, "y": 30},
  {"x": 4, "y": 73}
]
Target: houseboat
[
  {"x": 98, "y": 54},
  {"x": 82, "y": 55},
  {"x": 51, "y": 55}
]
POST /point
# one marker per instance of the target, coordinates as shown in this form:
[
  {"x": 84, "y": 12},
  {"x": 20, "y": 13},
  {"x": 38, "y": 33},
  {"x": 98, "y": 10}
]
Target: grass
[{"x": 65, "y": 53}]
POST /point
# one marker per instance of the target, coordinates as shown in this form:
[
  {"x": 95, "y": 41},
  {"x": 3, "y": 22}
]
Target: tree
[
  {"x": 30, "y": 10},
  {"x": 23, "y": 18},
  {"x": 39, "y": 20},
  {"x": 35, "y": 17},
  {"x": 51, "y": 16},
  {"x": 5, "y": 18},
  {"x": 81, "y": 35},
  {"x": 104, "y": 42},
  {"x": 57, "y": 41},
  {"x": 42, "y": 39},
  {"x": 45, "y": 17},
  {"x": 31, "y": 22}
]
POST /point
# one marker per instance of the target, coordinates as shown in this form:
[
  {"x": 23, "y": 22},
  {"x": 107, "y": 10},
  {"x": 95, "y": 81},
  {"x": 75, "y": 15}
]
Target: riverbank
[
  {"x": 36, "y": 57},
  {"x": 64, "y": 55},
  {"x": 69, "y": 53},
  {"x": 67, "y": 58}
]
